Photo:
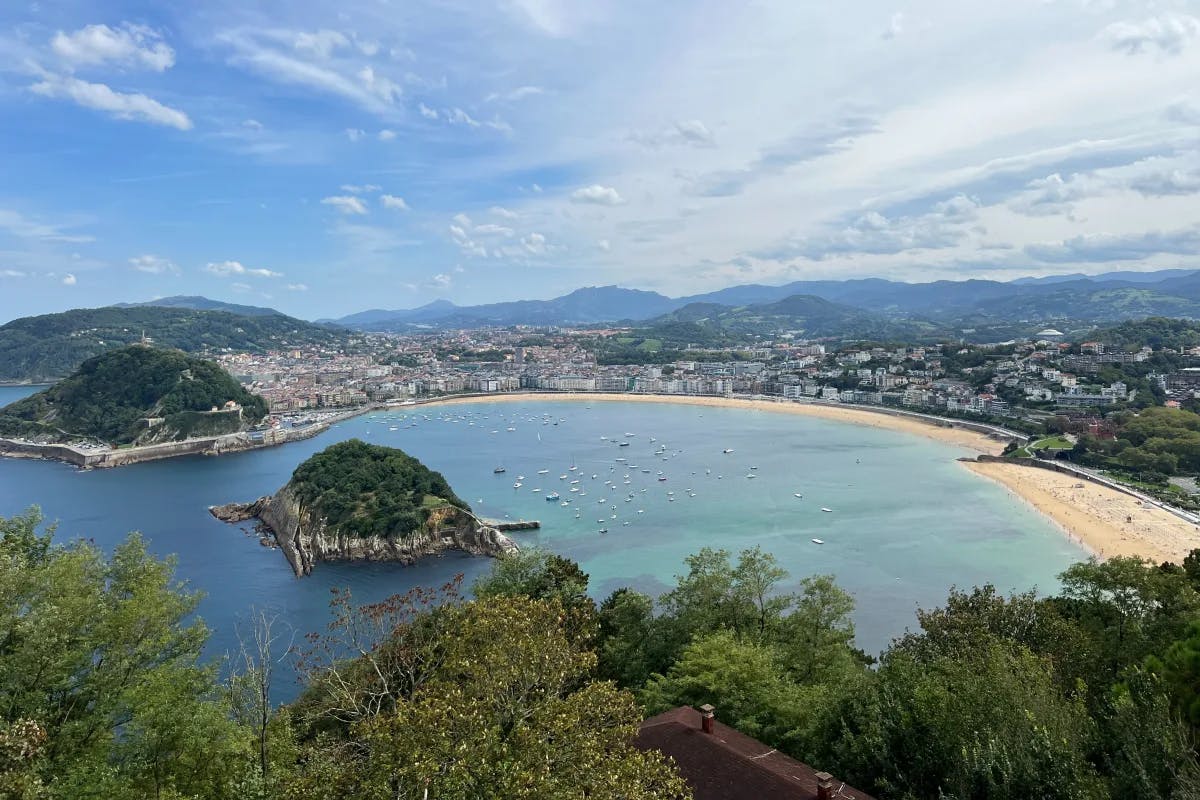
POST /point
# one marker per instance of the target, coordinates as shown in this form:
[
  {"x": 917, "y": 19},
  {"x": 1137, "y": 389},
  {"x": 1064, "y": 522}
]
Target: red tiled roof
[{"x": 728, "y": 765}]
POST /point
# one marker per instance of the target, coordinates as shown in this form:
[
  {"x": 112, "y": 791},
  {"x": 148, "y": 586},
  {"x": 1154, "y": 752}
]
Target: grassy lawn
[{"x": 1051, "y": 443}]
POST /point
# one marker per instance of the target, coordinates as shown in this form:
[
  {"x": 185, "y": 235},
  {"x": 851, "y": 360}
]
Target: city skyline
[{"x": 385, "y": 155}]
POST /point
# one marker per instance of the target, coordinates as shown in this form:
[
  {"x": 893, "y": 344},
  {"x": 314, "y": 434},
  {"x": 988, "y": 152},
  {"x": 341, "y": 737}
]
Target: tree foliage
[
  {"x": 110, "y": 395},
  {"x": 370, "y": 490}
]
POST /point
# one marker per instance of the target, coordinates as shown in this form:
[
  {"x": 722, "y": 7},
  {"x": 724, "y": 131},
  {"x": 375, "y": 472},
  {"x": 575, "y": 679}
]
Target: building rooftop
[{"x": 728, "y": 765}]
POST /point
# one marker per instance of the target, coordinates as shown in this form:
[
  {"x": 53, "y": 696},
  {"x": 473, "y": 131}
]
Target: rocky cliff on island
[{"x": 360, "y": 502}]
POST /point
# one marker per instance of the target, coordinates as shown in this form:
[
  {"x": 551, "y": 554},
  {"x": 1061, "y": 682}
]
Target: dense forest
[
  {"x": 47, "y": 347},
  {"x": 370, "y": 490},
  {"x": 108, "y": 397},
  {"x": 533, "y": 690},
  {"x": 1155, "y": 332}
]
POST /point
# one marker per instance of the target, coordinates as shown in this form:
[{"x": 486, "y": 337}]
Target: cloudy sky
[{"x": 324, "y": 158}]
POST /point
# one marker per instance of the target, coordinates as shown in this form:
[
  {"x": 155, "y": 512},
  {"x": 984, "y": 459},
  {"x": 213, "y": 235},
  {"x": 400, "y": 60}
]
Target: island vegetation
[
  {"x": 47, "y": 347},
  {"x": 370, "y": 490},
  {"x": 136, "y": 395},
  {"x": 532, "y": 689}
]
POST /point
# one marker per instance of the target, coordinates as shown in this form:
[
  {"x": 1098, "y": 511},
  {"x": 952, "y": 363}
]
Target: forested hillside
[
  {"x": 370, "y": 490},
  {"x": 50, "y": 346},
  {"x": 109, "y": 397}
]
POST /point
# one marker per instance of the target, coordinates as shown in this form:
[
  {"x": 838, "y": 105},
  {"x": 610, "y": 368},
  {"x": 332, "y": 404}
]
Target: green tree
[
  {"x": 102, "y": 656},
  {"x": 509, "y": 712}
]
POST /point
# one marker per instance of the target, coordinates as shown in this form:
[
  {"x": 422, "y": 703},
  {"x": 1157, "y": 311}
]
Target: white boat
[
  {"x": 543, "y": 471},
  {"x": 535, "y": 491},
  {"x": 827, "y": 510},
  {"x": 751, "y": 475},
  {"x": 818, "y": 541},
  {"x": 797, "y": 494},
  {"x": 517, "y": 485},
  {"x": 562, "y": 477},
  {"x": 727, "y": 450},
  {"x": 552, "y": 497}
]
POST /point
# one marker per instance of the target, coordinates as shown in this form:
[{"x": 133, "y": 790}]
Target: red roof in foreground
[{"x": 728, "y": 765}]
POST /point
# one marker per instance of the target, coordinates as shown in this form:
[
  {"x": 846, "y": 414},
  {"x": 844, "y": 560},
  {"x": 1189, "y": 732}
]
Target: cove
[{"x": 907, "y": 521}]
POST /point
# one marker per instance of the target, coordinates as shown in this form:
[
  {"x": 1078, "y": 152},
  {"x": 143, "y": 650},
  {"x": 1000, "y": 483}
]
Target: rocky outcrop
[{"x": 306, "y": 539}]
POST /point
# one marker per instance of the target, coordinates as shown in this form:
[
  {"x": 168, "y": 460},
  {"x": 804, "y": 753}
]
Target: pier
[{"x": 512, "y": 525}]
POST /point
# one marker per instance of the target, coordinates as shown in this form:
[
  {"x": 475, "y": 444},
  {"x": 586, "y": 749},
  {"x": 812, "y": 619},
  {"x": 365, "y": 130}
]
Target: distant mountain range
[{"x": 1063, "y": 299}]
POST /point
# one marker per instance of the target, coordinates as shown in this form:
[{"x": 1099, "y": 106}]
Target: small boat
[
  {"x": 562, "y": 477},
  {"x": 751, "y": 475},
  {"x": 818, "y": 541},
  {"x": 498, "y": 471},
  {"x": 727, "y": 450},
  {"x": 574, "y": 488},
  {"x": 827, "y": 510},
  {"x": 623, "y": 444},
  {"x": 552, "y": 497},
  {"x": 535, "y": 491},
  {"x": 510, "y": 429},
  {"x": 543, "y": 471},
  {"x": 797, "y": 494},
  {"x": 517, "y": 485},
  {"x": 631, "y": 434},
  {"x": 603, "y": 530},
  {"x": 753, "y": 468},
  {"x": 662, "y": 477},
  {"x": 565, "y": 503},
  {"x": 574, "y": 482},
  {"x": 641, "y": 511}
]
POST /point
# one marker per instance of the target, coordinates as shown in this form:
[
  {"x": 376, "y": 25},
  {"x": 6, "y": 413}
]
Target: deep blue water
[{"x": 907, "y": 522}]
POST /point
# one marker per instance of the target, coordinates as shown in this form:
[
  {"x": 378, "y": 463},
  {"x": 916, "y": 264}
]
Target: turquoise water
[{"x": 907, "y": 522}]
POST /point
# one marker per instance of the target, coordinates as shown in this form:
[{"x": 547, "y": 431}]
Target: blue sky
[{"x": 324, "y": 158}]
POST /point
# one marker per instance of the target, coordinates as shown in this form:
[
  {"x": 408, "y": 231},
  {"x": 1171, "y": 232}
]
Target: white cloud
[
  {"x": 240, "y": 288},
  {"x": 155, "y": 265},
  {"x": 354, "y": 134},
  {"x": 427, "y": 112},
  {"x": 227, "y": 269},
  {"x": 535, "y": 243},
  {"x": 461, "y": 220},
  {"x": 252, "y": 124},
  {"x": 895, "y": 26},
  {"x": 1168, "y": 33},
  {"x": 101, "y": 97},
  {"x": 16, "y": 224},
  {"x": 12, "y": 273},
  {"x": 604, "y": 245},
  {"x": 386, "y": 135},
  {"x": 441, "y": 281},
  {"x": 491, "y": 229},
  {"x": 597, "y": 194},
  {"x": 320, "y": 43},
  {"x": 297, "y": 287},
  {"x": 392, "y": 201},
  {"x": 689, "y": 131},
  {"x": 456, "y": 116},
  {"x": 347, "y": 204},
  {"x": 68, "y": 280},
  {"x": 520, "y": 93},
  {"x": 127, "y": 45},
  {"x": 313, "y": 60},
  {"x": 501, "y": 211},
  {"x": 364, "y": 188}
]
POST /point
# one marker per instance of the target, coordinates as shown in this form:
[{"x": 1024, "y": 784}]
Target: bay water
[{"x": 906, "y": 522}]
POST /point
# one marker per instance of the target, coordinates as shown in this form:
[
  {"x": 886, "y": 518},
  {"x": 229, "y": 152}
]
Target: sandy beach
[
  {"x": 1104, "y": 521},
  {"x": 961, "y": 437}
]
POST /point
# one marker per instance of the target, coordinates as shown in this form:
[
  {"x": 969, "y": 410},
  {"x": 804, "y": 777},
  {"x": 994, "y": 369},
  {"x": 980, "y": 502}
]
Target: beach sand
[{"x": 1094, "y": 516}]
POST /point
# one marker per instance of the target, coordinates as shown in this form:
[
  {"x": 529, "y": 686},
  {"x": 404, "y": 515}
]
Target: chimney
[
  {"x": 824, "y": 786},
  {"x": 707, "y": 715}
]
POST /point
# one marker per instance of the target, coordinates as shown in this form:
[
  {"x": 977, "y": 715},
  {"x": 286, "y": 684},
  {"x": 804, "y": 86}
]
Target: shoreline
[{"x": 1102, "y": 520}]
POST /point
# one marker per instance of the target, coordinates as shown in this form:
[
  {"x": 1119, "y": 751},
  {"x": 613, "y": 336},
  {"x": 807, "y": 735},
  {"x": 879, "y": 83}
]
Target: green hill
[
  {"x": 112, "y": 396},
  {"x": 370, "y": 490},
  {"x": 47, "y": 347}
]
